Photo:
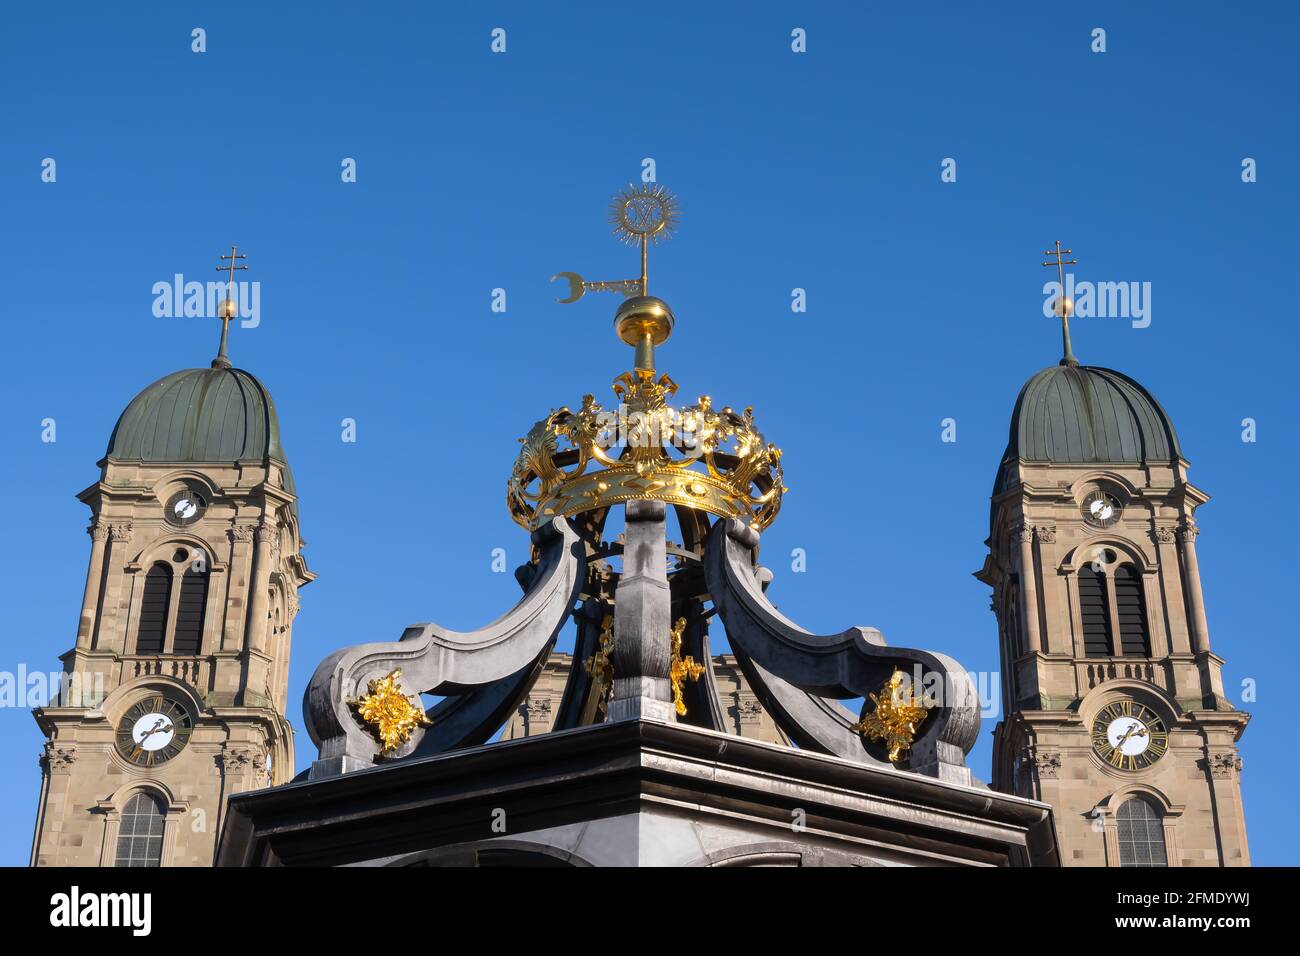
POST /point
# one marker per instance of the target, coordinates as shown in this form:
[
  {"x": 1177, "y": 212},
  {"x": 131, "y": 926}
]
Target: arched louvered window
[
  {"x": 1141, "y": 834},
  {"x": 1094, "y": 610},
  {"x": 1130, "y": 607},
  {"x": 153, "y": 610},
  {"x": 189, "y": 612},
  {"x": 140, "y": 833}
]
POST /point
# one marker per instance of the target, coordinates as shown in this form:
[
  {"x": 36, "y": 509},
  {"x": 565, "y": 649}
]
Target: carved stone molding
[
  {"x": 749, "y": 710},
  {"x": 1189, "y": 531},
  {"x": 121, "y": 532},
  {"x": 58, "y": 758},
  {"x": 1223, "y": 764},
  {"x": 1164, "y": 534},
  {"x": 1047, "y": 763},
  {"x": 1023, "y": 533},
  {"x": 241, "y": 532},
  {"x": 242, "y": 758},
  {"x": 537, "y": 708},
  {"x": 1046, "y": 533},
  {"x": 98, "y": 530}
]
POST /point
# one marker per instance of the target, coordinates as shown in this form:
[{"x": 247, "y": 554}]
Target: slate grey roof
[
  {"x": 199, "y": 415},
  {"x": 1084, "y": 414}
]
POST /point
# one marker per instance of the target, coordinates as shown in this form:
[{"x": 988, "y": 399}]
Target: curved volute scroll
[
  {"x": 797, "y": 674},
  {"x": 481, "y": 672}
]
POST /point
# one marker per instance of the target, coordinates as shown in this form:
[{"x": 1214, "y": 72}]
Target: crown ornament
[{"x": 714, "y": 460}]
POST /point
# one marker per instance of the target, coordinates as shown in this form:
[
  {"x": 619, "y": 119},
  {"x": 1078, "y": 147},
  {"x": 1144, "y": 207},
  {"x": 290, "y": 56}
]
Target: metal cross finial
[
  {"x": 229, "y": 308},
  {"x": 1063, "y": 303}
]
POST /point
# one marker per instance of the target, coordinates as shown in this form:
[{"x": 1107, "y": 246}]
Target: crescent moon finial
[{"x": 576, "y": 286}]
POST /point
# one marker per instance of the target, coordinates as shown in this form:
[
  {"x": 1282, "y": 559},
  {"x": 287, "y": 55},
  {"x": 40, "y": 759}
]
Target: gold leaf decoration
[
  {"x": 390, "y": 714},
  {"x": 600, "y": 669},
  {"x": 896, "y": 717},
  {"x": 683, "y": 668}
]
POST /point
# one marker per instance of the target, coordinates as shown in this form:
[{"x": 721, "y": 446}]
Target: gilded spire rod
[
  {"x": 229, "y": 307},
  {"x": 1063, "y": 305}
]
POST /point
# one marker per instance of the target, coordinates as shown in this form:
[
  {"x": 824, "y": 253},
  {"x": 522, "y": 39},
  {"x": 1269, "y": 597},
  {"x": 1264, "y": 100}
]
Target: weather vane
[
  {"x": 1063, "y": 305},
  {"x": 229, "y": 308},
  {"x": 639, "y": 215}
]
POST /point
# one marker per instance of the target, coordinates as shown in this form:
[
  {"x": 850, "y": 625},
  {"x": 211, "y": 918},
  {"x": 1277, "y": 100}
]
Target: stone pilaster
[
  {"x": 1180, "y": 641},
  {"x": 642, "y": 611},
  {"x": 110, "y": 632},
  {"x": 259, "y": 581},
  {"x": 1029, "y": 590},
  {"x": 98, "y": 532},
  {"x": 1196, "y": 600}
]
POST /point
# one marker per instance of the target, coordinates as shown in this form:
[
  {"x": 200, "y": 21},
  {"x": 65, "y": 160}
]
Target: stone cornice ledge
[{"x": 627, "y": 767}]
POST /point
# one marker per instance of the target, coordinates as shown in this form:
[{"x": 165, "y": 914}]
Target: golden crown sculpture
[{"x": 696, "y": 456}]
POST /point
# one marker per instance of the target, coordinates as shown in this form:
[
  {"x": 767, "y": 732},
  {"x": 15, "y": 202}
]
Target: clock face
[
  {"x": 1100, "y": 509},
  {"x": 1129, "y": 736},
  {"x": 184, "y": 508},
  {"x": 153, "y": 731}
]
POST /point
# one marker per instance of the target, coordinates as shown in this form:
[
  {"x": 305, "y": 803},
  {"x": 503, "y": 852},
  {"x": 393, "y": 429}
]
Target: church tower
[
  {"x": 177, "y": 682},
  {"x": 1113, "y": 704}
]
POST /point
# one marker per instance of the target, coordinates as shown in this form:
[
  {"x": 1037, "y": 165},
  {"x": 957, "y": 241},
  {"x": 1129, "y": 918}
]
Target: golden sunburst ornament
[
  {"x": 390, "y": 714},
  {"x": 644, "y": 213}
]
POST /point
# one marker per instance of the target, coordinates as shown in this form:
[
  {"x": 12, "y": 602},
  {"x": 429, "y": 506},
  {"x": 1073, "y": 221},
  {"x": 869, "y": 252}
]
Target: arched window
[
  {"x": 189, "y": 612},
  {"x": 1141, "y": 834},
  {"x": 153, "y": 610},
  {"x": 1094, "y": 610},
  {"x": 1130, "y": 607},
  {"x": 140, "y": 836}
]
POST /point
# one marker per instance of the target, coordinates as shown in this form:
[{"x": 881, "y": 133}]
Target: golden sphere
[
  {"x": 644, "y": 315},
  {"x": 229, "y": 309},
  {"x": 1063, "y": 306}
]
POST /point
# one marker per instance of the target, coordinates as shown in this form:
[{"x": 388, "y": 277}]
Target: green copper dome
[
  {"x": 217, "y": 414},
  {"x": 1081, "y": 414}
]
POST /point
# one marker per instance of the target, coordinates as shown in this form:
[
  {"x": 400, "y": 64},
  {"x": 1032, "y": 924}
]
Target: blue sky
[{"x": 819, "y": 170}]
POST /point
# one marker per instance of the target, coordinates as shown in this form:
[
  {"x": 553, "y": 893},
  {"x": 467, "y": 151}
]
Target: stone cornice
[{"x": 623, "y": 766}]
